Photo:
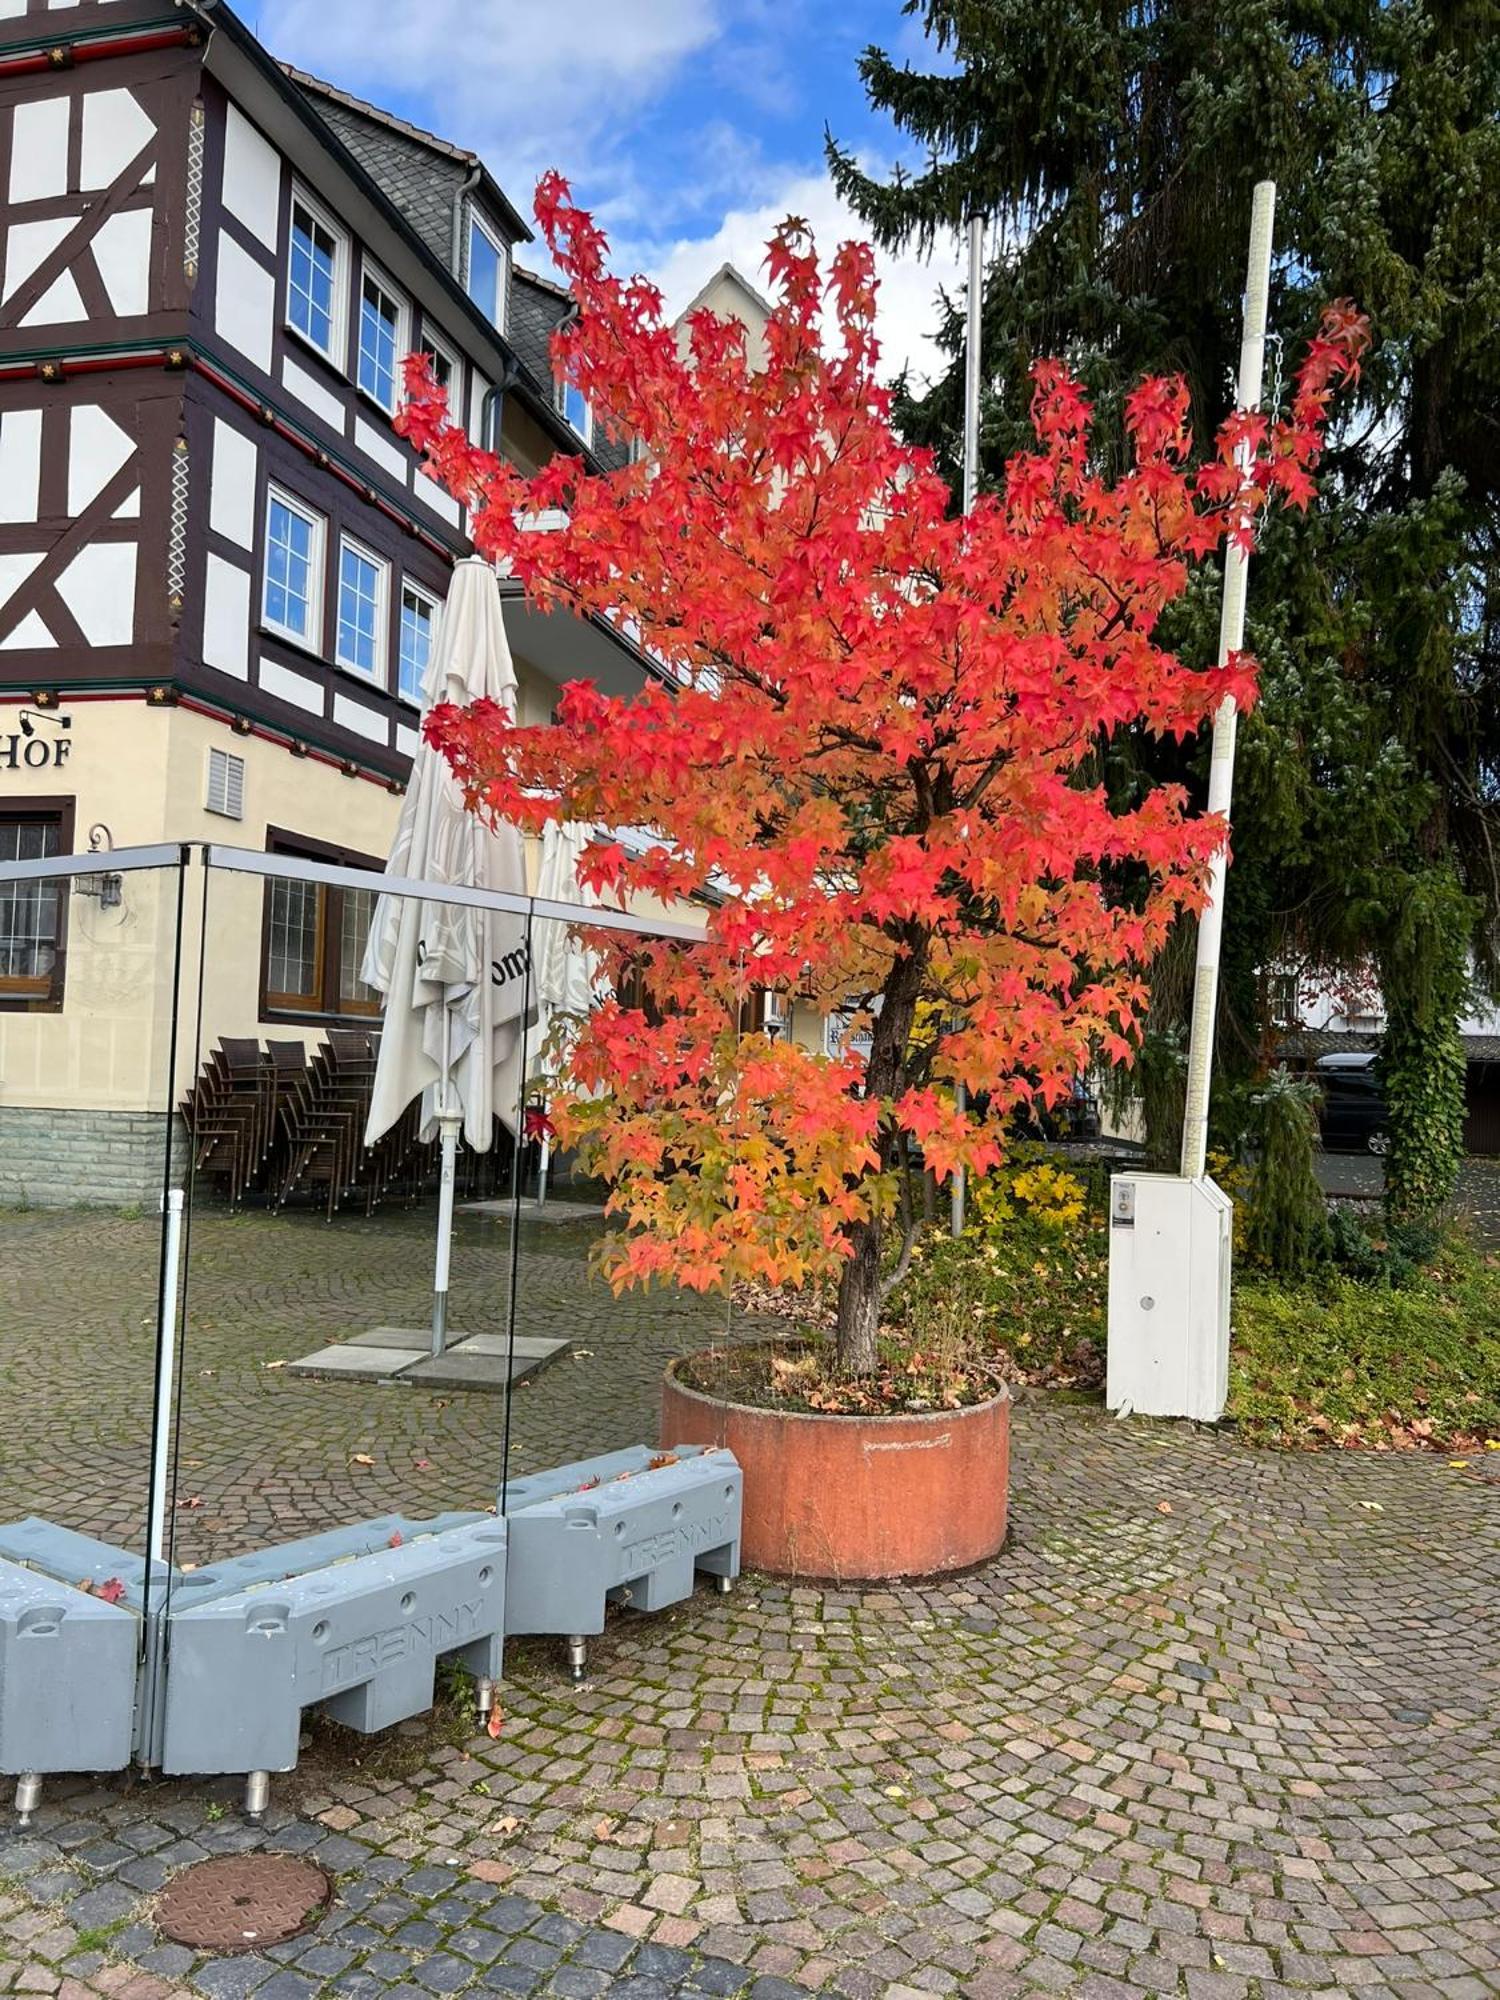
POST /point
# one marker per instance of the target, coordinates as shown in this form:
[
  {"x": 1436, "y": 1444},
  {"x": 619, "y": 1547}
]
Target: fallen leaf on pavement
[
  {"x": 504, "y": 1826},
  {"x": 1163, "y": 1506},
  {"x": 361, "y": 1458},
  {"x": 496, "y": 1722}
]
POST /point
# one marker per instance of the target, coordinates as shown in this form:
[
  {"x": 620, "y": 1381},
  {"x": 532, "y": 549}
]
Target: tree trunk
[
  {"x": 885, "y": 1073},
  {"x": 859, "y": 1301}
]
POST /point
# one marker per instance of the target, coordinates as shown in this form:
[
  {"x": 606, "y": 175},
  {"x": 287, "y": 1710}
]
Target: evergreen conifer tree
[{"x": 1114, "y": 147}]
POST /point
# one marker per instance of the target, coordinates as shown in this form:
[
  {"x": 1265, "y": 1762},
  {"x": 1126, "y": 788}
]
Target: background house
[{"x": 219, "y": 564}]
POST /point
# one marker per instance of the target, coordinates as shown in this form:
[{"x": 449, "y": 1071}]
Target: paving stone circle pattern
[{"x": 1218, "y": 1723}]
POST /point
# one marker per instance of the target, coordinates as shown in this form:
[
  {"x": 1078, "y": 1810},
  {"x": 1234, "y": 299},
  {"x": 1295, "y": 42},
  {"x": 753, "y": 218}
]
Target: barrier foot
[
  {"x": 28, "y": 1797},
  {"x": 578, "y": 1658},
  {"x": 726, "y": 1584},
  {"x": 257, "y": 1796},
  {"x": 484, "y": 1693}
]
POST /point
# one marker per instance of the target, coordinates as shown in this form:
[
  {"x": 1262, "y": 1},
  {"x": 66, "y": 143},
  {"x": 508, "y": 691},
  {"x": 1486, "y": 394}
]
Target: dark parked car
[{"x": 1355, "y": 1117}]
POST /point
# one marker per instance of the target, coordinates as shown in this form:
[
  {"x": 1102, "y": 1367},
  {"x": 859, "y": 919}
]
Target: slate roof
[
  {"x": 536, "y": 307},
  {"x": 421, "y": 173}
]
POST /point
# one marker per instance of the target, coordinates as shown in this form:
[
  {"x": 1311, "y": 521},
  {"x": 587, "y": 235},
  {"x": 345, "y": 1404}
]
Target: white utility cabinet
[{"x": 1170, "y": 1254}]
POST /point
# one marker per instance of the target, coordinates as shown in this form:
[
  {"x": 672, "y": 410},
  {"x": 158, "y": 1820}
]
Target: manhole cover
[{"x": 243, "y": 1902}]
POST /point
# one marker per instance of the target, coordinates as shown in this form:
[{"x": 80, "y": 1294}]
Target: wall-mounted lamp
[
  {"x": 108, "y": 888},
  {"x": 30, "y": 717}
]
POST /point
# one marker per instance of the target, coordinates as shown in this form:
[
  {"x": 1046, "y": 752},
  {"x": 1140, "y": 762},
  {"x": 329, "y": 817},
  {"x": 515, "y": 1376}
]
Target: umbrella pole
[
  {"x": 541, "y": 1173},
  {"x": 449, "y": 1122}
]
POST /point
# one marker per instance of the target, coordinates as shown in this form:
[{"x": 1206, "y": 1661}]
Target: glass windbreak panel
[
  {"x": 90, "y": 1136},
  {"x": 312, "y": 1402},
  {"x": 606, "y": 1392}
]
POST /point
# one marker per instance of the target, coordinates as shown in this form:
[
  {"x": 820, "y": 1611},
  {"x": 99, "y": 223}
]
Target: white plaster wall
[
  {"x": 226, "y": 618},
  {"x": 39, "y": 149},
  {"x": 245, "y": 303},
  {"x": 97, "y": 448},
  {"x": 312, "y": 395},
  {"x": 231, "y": 490},
  {"x": 252, "y": 178},
  {"x": 115, "y": 129},
  {"x": 98, "y": 587},
  {"x": 20, "y": 464}
]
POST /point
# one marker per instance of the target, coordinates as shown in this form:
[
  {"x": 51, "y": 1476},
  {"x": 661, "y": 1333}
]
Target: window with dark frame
[
  {"x": 314, "y": 939},
  {"x": 33, "y": 915}
]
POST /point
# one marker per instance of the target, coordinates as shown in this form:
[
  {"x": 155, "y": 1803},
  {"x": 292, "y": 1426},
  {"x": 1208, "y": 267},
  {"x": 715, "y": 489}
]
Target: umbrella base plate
[{"x": 396, "y": 1354}]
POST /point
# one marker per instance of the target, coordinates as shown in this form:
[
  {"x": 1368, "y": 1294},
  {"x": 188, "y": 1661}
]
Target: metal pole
[
  {"x": 166, "y": 1349},
  {"x": 448, "y": 1123},
  {"x": 1221, "y": 766},
  {"x": 973, "y": 343}
]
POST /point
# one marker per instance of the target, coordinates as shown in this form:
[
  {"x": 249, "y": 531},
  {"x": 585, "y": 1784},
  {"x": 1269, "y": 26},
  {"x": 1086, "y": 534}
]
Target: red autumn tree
[{"x": 872, "y": 743}]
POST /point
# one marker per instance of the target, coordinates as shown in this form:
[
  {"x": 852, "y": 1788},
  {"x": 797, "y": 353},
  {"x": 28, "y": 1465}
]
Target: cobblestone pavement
[
  {"x": 265, "y": 1457},
  {"x": 1217, "y": 1723}
]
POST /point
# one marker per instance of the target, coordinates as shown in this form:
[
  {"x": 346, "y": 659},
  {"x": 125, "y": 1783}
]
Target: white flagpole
[
  {"x": 1221, "y": 766},
  {"x": 973, "y": 342}
]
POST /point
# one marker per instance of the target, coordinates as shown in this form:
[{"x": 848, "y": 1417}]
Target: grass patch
[{"x": 1336, "y": 1361}]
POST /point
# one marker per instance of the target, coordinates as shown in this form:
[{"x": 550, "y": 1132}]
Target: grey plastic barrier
[
  {"x": 631, "y": 1527},
  {"x": 74, "y": 1558},
  {"x": 359, "y": 1640},
  {"x": 67, "y": 1679}
]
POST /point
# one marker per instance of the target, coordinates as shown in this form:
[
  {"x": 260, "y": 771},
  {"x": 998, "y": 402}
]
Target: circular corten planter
[{"x": 857, "y": 1497}]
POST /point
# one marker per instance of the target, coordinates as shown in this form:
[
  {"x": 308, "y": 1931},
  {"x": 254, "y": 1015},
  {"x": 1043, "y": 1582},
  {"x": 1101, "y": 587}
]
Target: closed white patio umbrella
[
  {"x": 456, "y": 980},
  {"x": 567, "y": 973}
]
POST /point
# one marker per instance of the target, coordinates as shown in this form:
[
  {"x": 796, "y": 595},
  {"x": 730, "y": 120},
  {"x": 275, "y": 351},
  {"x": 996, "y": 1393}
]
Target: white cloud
[
  {"x": 527, "y": 86},
  {"x": 909, "y": 285},
  {"x": 530, "y": 87}
]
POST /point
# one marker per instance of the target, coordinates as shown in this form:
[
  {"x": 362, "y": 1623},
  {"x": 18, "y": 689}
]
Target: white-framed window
[
  {"x": 317, "y": 291},
  {"x": 575, "y": 406},
  {"x": 382, "y": 339},
  {"x": 489, "y": 271},
  {"x": 419, "y": 610},
  {"x": 444, "y": 364},
  {"x": 292, "y": 600},
  {"x": 364, "y": 582}
]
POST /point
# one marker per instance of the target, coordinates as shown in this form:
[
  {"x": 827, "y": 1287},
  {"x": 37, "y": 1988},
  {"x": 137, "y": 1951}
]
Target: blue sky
[{"x": 689, "y": 126}]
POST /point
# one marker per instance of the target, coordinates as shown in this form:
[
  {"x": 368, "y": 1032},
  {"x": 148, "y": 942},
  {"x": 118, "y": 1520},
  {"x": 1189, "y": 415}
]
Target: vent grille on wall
[{"x": 226, "y": 784}]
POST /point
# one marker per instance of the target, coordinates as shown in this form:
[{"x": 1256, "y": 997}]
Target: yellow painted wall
[
  {"x": 142, "y": 773},
  {"x": 108, "y": 1047}
]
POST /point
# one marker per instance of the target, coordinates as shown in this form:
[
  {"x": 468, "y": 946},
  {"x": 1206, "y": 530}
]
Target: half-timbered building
[{"x": 219, "y": 563}]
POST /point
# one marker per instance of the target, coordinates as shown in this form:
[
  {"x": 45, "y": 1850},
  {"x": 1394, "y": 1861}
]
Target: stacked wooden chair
[{"x": 280, "y": 1124}]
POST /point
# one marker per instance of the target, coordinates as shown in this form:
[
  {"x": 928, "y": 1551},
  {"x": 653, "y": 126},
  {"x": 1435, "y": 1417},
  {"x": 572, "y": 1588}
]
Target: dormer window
[
  {"x": 316, "y": 279},
  {"x": 489, "y": 272},
  {"x": 574, "y": 405}
]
